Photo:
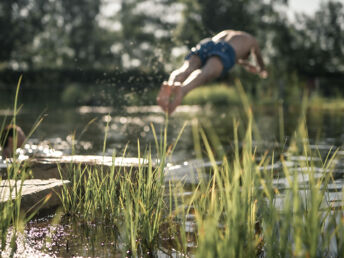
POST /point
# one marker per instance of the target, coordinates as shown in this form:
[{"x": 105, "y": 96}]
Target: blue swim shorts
[{"x": 208, "y": 48}]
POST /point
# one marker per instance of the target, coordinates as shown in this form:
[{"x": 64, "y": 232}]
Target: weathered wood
[
  {"x": 33, "y": 192},
  {"x": 55, "y": 167}
]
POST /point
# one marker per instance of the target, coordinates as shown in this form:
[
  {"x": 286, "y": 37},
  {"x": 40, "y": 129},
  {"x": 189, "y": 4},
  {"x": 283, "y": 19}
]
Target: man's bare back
[{"x": 243, "y": 43}]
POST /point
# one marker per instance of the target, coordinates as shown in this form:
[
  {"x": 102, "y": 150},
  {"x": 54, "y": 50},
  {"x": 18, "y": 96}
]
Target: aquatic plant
[
  {"x": 12, "y": 217},
  {"x": 241, "y": 212},
  {"x": 131, "y": 198},
  {"x": 216, "y": 94},
  {"x": 248, "y": 205}
]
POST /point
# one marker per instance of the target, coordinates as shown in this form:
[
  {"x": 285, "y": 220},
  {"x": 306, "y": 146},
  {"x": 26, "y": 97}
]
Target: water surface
[{"x": 82, "y": 130}]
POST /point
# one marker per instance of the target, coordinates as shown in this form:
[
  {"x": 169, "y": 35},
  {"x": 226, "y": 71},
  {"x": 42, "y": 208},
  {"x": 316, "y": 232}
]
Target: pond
[{"x": 82, "y": 130}]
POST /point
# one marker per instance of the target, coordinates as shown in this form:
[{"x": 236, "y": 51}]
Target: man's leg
[
  {"x": 190, "y": 65},
  {"x": 177, "y": 77},
  {"x": 210, "y": 71}
]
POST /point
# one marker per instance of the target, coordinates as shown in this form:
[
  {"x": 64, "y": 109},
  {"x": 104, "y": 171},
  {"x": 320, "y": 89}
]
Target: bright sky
[
  {"x": 295, "y": 6},
  {"x": 306, "y": 6}
]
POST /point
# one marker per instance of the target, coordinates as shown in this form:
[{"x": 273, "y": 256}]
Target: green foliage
[
  {"x": 323, "y": 39},
  {"x": 72, "y": 94},
  {"x": 78, "y": 36},
  {"x": 239, "y": 209},
  {"x": 12, "y": 217},
  {"x": 75, "y": 94},
  {"x": 130, "y": 198},
  {"x": 315, "y": 42},
  {"x": 53, "y": 34},
  {"x": 322, "y": 103},
  {"x": 213, "y": 94},
  {"x": 190, "y": 29},
  {"x": 241, "y": 213}
]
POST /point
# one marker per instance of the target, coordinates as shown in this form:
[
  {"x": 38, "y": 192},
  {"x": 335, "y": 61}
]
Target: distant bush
[
  {"x": 74, "y": 94},
  {"x": 322, "y": 103},
  {"x": 216, "y": 94}
]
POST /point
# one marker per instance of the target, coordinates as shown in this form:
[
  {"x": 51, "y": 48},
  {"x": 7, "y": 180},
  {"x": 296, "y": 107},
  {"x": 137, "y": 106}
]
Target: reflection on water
[
  {"x": 84, "y": 128},
  {"x": 82, "y": 131}
]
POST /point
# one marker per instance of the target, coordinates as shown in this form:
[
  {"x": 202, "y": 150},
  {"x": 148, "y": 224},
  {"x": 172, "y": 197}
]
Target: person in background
[
  {"x": 11, "y": 138},
  {"x": 209, "y": 60}
]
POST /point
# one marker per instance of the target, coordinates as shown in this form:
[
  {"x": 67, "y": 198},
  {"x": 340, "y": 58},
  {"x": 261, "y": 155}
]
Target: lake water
[{"x": 81, "y": 130}]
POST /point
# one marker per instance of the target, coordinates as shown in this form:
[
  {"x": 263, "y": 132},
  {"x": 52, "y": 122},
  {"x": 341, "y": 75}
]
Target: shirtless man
[{"x": 210, "y": 59}]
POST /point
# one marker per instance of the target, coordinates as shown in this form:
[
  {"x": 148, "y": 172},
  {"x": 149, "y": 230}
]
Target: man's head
[{"x": 7, "y": 140}]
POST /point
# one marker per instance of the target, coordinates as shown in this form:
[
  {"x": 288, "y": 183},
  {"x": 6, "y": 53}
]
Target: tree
[
  {"x": 20, "y": 21},
  {"x": 82, "y": 31},
  {"x": 324, "y": 40},
  {"x": 313, "y": 46},
  {"x": 202, "y": 18}
]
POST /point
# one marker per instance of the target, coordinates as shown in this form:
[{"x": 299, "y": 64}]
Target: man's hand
[
  {"x": 248, "y": 67},
  {"x": 170, "y": 96},
  {"x": 263, "y": 74},
  {"x": 253, "y": 69}
]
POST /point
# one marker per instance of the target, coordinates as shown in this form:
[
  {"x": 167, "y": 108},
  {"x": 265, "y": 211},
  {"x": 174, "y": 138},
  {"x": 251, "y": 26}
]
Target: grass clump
[
  {"x": 226, "y": 212},
  {"x": 12, "y": 217},
  {"x": 131, "y": 199},
  {"x": 317, "y": 102},
  {"x": 10, "y": 194},
  {"x": 239, "y": 210},
  {"x": 242, "y": 211},
  {"x": 247, "y": 205}
]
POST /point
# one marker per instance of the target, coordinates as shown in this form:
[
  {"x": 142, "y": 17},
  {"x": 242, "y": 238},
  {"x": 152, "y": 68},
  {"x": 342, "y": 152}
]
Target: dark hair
[{"x": 9, "y": 131}]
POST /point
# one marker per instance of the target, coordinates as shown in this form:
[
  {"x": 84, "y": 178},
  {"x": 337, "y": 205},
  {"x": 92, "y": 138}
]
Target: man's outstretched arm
[
  {"x": 259, "y": 60},
  {"x": 248, "y": 66}
]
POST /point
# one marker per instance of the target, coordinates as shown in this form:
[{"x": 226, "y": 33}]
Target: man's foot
[
  {"x": 170, "y": 96},
  {"x": 164, "y": 96},
  {"x": 176, "y": 96}
]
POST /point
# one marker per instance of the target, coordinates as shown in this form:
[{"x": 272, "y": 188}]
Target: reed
[
  {"x": 131, "y": 199},
  {"x": 240, "y": 212},
  {"x": 250, "y": 205},
  {"x": 12, "y": 218}
]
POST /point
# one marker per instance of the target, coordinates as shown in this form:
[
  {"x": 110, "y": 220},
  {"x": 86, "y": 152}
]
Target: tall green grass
[
  {"x": 218, "y": 94},
  {"x": 238, "y": 210},
  {"x": 237, "y": 213},
  {"x": 12, "y": 217},
  {"x": 132, "y": 199},
  {"x": 10, "y": 209}
]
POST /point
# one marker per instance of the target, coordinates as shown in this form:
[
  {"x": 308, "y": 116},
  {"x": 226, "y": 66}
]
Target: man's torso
[{"x": 241, "y": 42}]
